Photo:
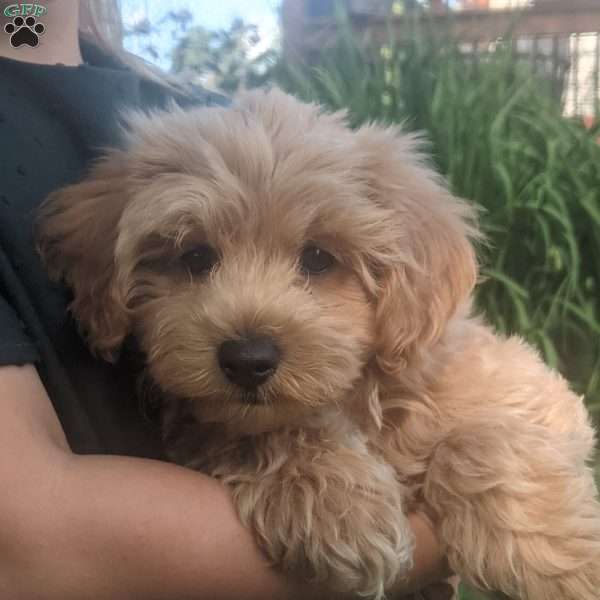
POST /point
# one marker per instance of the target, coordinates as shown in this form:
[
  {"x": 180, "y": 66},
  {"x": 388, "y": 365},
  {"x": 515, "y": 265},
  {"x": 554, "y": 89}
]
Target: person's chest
[{"x": 44, "y": 145}]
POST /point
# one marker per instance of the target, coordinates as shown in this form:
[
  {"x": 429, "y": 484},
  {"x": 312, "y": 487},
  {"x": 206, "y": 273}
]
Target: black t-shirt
[{"x": 53, "y": 121}]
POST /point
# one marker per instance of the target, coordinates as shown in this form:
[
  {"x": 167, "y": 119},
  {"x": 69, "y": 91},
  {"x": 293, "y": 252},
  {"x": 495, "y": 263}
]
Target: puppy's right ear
[{"x": 76, "y": 233}]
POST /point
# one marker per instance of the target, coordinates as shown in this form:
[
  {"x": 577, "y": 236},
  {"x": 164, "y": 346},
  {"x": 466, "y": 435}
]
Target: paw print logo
[{"x": 24, "y": 31}]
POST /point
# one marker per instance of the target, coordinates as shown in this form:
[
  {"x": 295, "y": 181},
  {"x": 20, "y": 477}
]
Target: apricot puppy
[{"x": 301, "y": 293}]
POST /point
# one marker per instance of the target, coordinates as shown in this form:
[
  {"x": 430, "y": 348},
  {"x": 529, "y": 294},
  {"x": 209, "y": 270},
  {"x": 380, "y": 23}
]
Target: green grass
[
  {"x": 498, "y": 134},
  {"x": 468, "y": 594}
]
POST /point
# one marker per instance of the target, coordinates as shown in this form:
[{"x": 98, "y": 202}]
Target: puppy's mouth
[{"x": 252, "y": 398}]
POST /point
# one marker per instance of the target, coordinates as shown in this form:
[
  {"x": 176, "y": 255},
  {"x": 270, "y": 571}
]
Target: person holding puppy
[{"x": 88, "y": 509}]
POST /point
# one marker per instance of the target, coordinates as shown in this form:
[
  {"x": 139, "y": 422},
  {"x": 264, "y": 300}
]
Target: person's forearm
[
  {"x": 130, "y": 528},
  {"x": 111, "y": 527},
  {"x": 124, "y": 528}
]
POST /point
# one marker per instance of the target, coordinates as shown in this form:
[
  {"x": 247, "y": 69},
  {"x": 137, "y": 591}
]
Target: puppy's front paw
[{"x": 331, "y": 515}]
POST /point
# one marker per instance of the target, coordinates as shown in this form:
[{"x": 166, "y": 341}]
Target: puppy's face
[
  {"x": 263, "y": 256},
  {"x": 248, "y": 300}
]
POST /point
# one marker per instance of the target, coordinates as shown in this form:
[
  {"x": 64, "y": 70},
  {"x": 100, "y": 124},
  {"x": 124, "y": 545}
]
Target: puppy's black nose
[{"x": 249, "y": 363}]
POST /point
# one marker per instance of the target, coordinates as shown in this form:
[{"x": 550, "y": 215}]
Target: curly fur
[{"x": 390, "y": 394}]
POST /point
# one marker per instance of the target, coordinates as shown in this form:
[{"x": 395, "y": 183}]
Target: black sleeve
[{"x": 16, "y": 348}]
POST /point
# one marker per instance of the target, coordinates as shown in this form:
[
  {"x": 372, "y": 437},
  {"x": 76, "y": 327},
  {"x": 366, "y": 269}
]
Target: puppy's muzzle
[{"x": 249, "y": 362}]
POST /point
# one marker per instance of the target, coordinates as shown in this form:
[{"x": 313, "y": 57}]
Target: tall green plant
[{"x": 498, "y": 133}]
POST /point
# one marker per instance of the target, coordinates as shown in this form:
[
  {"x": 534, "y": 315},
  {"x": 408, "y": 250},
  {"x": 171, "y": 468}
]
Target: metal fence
[{"x": 570, "y": 62}]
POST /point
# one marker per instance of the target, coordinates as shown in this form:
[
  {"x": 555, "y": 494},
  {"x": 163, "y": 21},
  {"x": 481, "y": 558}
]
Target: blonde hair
[{"x": 100, "y": 22}]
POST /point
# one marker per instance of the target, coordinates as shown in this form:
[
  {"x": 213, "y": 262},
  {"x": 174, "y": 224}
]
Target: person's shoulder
[
  {"x": 154, "y": 90},
  {"x": 155, "y": 94},
  {"x": 196, "y": 95}
]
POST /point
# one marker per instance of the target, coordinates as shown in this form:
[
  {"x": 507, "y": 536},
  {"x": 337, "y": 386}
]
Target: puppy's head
[{"x": 263, "y": 255}]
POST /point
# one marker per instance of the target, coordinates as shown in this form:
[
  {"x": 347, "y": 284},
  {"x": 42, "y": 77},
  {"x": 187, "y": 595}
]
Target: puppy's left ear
[
  {"x": 432, "y": 267},
  {"x": 76, "y": 233}
]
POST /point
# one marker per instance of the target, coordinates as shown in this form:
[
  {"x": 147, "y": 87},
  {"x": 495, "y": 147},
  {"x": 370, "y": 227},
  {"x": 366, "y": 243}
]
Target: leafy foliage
[{"x": 225, "y": 59}]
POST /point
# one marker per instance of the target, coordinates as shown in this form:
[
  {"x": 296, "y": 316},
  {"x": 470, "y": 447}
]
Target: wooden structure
[
  {"x": 302, "y": 32},
  {"x": 563, "y": 32}
]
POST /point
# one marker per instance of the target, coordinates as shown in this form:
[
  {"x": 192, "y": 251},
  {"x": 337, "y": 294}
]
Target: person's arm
[{"x": 123, "y": 528}]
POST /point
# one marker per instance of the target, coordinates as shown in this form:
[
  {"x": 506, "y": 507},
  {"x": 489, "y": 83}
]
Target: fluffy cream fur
[{"x": 389, "y": 394}]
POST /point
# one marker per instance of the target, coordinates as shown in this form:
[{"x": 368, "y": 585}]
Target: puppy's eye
[
  {"x": 200, "y": 259},
  {"x": 314, "y": 260}
]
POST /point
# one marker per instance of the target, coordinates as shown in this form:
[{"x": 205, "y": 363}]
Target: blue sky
[{"x": 216, "y": 14}]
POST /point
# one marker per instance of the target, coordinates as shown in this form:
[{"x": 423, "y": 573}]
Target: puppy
[{"x": 301, "y": 293}]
